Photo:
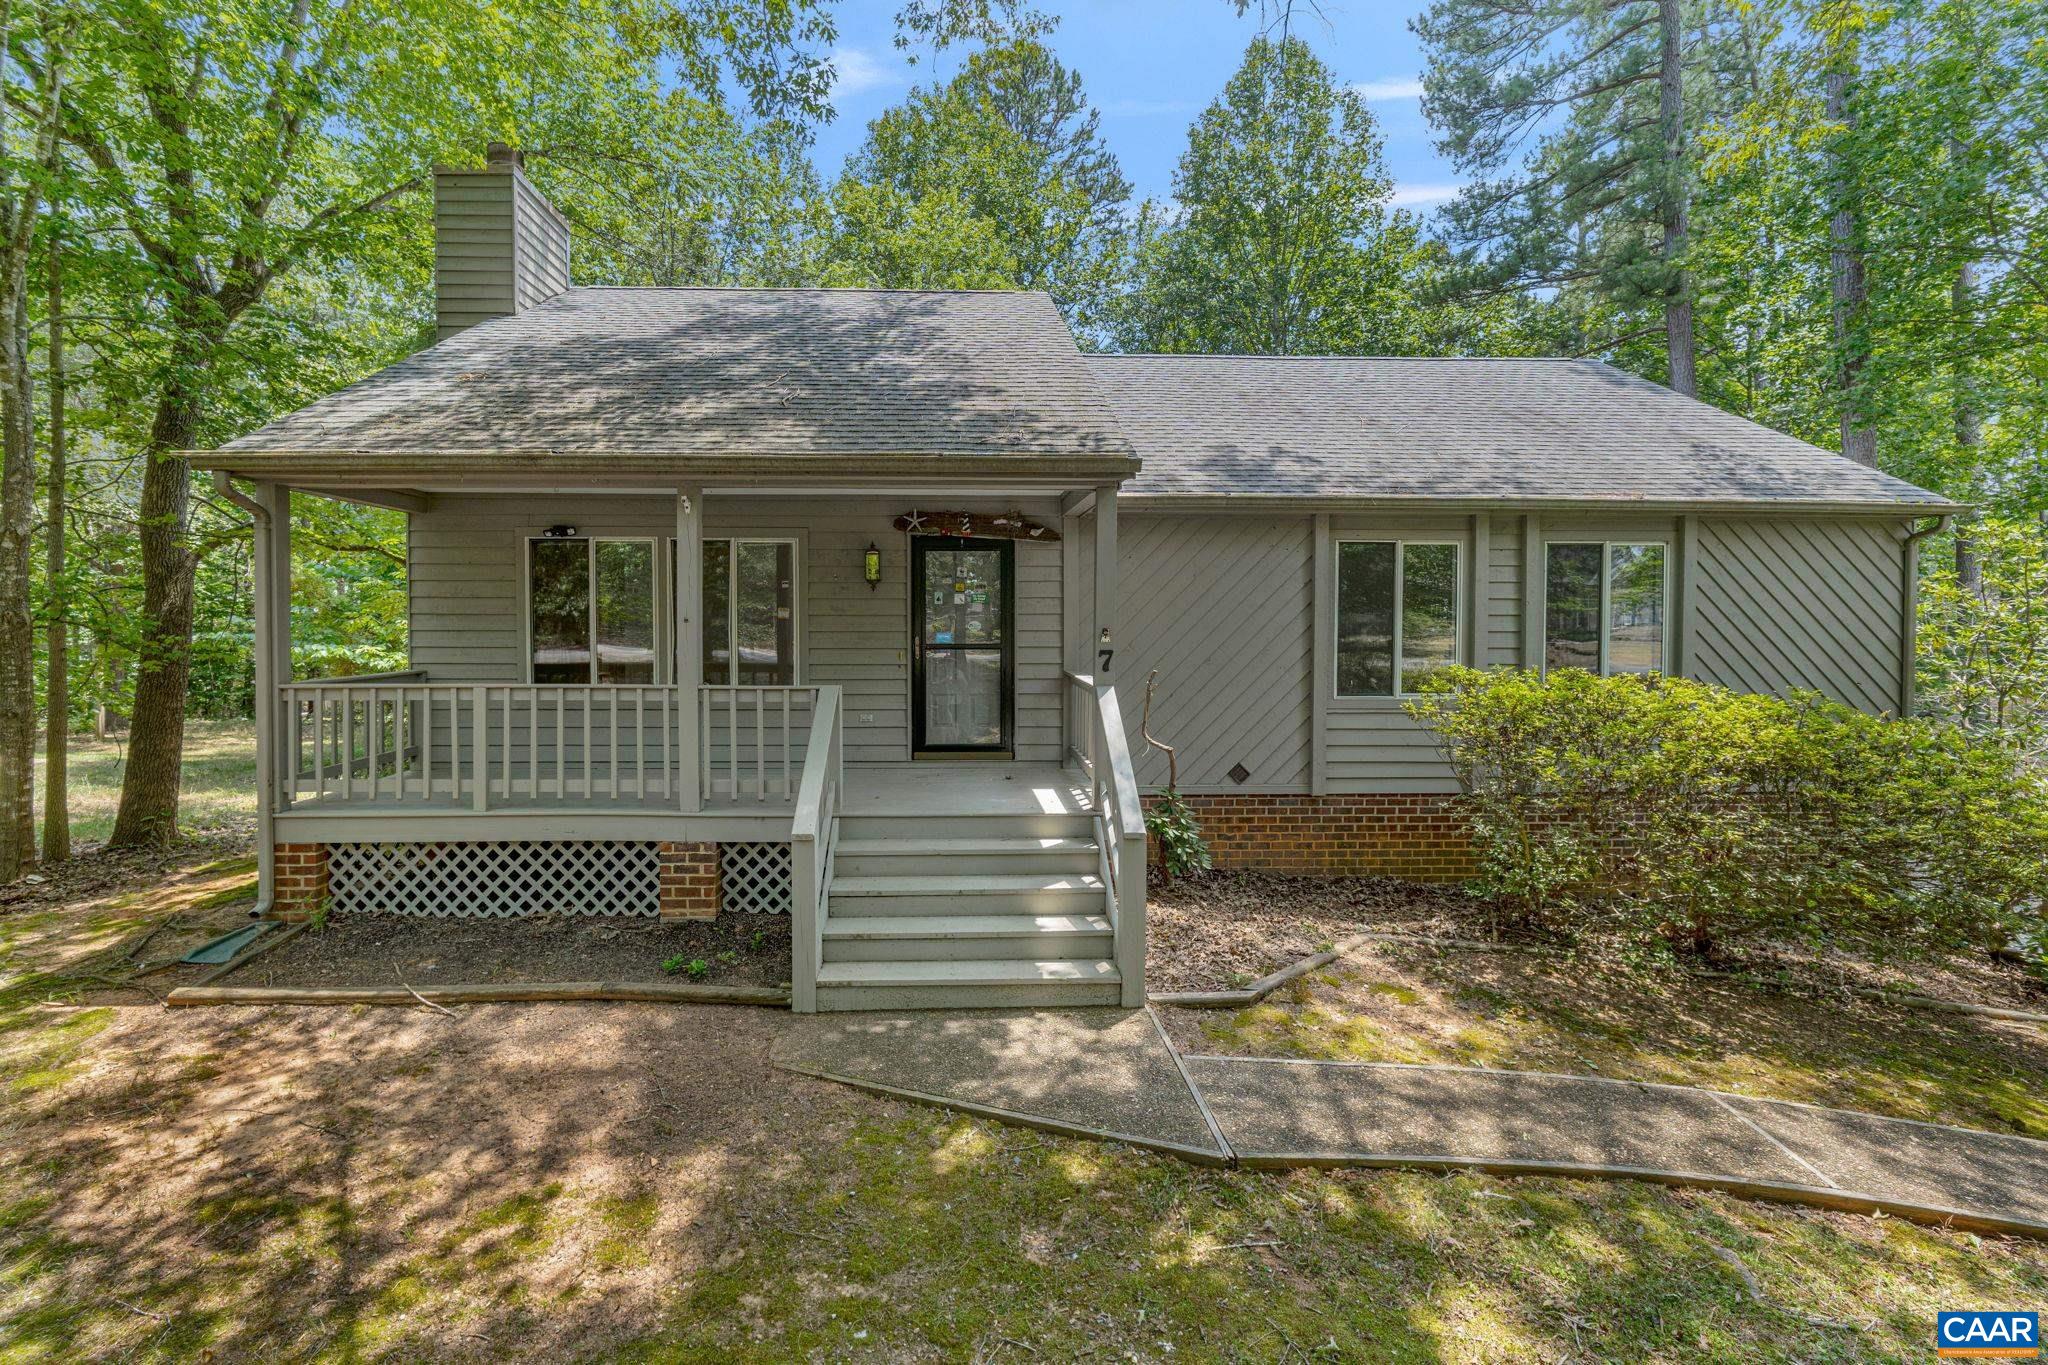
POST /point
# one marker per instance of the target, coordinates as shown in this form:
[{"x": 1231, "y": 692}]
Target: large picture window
[
  {"x": 590, "y": 610},
  {"x": 1603, "y": 606},
  {"x": 750, "y": 612},
  {"x": 1397, "y": 615}
]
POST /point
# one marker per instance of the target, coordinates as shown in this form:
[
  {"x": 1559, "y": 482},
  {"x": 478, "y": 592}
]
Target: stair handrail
[
  {"x": 1120, "y": 815},
  {"x": 810, "y": 848}
]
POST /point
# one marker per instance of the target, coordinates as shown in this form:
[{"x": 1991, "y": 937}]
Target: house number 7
[{"x": 1105, "y": 655}]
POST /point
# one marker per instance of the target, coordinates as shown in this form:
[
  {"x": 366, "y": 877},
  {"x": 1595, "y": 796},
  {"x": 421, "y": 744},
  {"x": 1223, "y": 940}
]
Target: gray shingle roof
[
  {"x": 730, "y": 371},
  {"x": 1344, "y": 427}
]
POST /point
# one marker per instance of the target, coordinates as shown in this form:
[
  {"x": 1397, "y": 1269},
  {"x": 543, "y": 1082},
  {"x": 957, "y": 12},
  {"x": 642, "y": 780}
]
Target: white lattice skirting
[
  {"x": 499, "y": 880},
  {"x": 755, "y": 878}
]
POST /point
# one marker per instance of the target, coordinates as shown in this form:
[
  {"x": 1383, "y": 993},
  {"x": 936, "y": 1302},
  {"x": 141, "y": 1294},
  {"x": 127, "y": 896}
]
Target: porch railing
[
  {"x": 400, "y": 738},
  {"x": 811, "y": 842},
  {"x": 1103, "y": 748},
  {"x": 755, "y": 740}
]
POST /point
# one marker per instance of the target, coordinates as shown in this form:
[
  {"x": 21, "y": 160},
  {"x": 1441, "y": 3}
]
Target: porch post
[
  {"x": 1103, "y": 640},
  {"x": 689, "y": 646},
  {"x": 1074, "y": 617},
  {"x": 272, "y": 573}
]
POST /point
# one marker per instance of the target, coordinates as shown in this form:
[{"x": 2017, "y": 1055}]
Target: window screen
[
  {"x": 1394, "y": 600},
  {"x": 1604, "y": 607}
]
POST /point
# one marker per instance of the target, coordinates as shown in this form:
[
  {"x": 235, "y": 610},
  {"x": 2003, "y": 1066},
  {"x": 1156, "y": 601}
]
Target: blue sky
[{"x": 1150, "y": 66}]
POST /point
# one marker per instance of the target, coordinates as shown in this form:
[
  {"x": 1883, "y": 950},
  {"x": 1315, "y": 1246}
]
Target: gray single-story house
[{"x": 841, "y": 604}]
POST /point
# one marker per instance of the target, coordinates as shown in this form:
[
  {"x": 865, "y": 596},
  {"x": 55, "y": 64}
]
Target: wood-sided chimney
[{"x": 499, "y": 246}]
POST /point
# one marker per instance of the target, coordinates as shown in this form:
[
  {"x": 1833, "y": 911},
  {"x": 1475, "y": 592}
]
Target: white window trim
[
  {"x": 1606, "y": 596},
  {"x": 1458, "y": 623},
  {"x": 733, "y": 540},
  {"x": 590, "y": 541}
]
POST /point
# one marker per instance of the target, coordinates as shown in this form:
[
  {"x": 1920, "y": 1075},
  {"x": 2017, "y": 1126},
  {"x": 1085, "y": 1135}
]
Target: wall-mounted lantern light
[{"x": 871, "y": 565}]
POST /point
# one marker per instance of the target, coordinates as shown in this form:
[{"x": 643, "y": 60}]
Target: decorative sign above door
[{"x": 975, "y": 525}]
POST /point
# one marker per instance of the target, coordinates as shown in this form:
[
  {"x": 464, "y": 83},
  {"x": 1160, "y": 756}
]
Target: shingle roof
[
  {"x": 730, "y": 371},
  {"x": 1345, "y": 427}
]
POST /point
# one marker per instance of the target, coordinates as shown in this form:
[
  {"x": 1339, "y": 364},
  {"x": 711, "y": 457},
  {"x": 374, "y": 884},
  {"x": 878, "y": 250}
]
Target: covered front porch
[{"x": 609, "y": 685}]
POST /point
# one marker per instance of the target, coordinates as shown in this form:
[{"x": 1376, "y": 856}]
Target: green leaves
[
  {"x": 1683, "y": 813},
  {"x": 998, "y": 178},
  {"x": 1283, "y": 240}
]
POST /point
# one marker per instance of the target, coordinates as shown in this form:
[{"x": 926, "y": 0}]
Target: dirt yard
[{"x": 617, "y": 1181}]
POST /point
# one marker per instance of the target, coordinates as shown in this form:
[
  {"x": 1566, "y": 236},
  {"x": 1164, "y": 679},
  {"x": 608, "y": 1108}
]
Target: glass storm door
[{"x": 961, "y": 666}]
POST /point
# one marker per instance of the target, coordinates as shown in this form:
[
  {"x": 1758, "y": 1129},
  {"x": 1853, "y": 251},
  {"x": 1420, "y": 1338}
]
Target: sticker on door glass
[
  {"x": 942, "y": 637},
  {"x": 958, "y": 598},
  {"x": 959, "y": 587},
  {"x": 979, "y": 598}
]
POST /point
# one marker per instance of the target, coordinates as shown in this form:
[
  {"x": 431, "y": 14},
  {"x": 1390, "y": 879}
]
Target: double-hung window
[
  {"x": 590, "y": 609},
  {"x": 750, "y": 612},
  {"x": 1603, "y": 606},
  {"x": 1397, "y": 615}
]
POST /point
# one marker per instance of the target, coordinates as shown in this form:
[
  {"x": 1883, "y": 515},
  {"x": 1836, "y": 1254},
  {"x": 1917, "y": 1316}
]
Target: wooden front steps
[{"x": 964, "y": 910}]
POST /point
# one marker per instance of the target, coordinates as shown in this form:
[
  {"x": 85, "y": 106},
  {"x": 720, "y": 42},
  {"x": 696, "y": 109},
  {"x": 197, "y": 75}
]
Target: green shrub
[
  {"x": 1689, "y": 814},
  {"x": 1173, "y": 829}
]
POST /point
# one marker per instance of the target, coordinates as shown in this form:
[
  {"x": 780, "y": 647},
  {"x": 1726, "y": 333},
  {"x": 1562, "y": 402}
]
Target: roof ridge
[
  {"x": 772, "y": 289},
  {"x": 1419, "y": 359}
]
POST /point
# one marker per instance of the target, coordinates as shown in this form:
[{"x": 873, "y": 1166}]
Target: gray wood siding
[
  {"x": 473, "y": 248},
  {"x": 540, "y": 264},
  {"x": 1501, "y": 631},
  {"x": 499, "y": 247},
  {"x": 1223, "y": 607},
  {"x": 1800, "y": 604},
  {"x": 468, "y": 601}
]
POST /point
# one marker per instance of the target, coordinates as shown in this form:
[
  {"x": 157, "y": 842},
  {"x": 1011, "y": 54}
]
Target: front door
[{"x": 962, "y": 638}]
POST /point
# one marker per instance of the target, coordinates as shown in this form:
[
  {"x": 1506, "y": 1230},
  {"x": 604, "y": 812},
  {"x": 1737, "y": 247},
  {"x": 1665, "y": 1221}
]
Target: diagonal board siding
[
  {"x": 1800, "y": 604},
  {"x": 1221, "y": 606}
]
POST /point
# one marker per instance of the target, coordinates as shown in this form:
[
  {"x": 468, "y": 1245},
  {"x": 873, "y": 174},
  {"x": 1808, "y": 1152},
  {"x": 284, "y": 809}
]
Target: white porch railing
[
  {"x": 1104, "y": 751},
  {"x": 393, "y": 739},
  {"x": 810, "y": 848}
]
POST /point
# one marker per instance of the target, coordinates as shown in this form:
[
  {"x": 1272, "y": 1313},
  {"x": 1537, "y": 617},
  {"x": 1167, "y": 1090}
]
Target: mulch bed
[
  {"x": 388, "y": 950},
  {"x": 1219, "y": 930}
]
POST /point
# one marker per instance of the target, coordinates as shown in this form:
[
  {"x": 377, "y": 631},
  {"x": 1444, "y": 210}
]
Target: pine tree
[{"x": 1601, "y": 103}]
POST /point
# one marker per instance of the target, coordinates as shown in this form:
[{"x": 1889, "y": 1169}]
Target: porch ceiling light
[{"x": 871, "y": 565}]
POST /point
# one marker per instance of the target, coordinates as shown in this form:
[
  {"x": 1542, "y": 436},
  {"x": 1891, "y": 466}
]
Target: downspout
[
  {"x": 1909, "y": 608},
  {"x": 266, "y": 695}
]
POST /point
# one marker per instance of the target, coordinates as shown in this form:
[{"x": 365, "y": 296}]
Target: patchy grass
[
  {"x": 634, "y": 1182},
  {"x": 219, "y": 790},
  {"x": 1540, "y": 1012}
]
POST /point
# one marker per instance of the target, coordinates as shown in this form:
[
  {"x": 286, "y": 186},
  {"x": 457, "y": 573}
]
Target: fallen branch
[{"x": 421, "y": 998}]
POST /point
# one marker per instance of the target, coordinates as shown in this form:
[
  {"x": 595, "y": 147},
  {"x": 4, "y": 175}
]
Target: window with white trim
[
  {"x": 750, "y": 612},
  {"x": 1399, "y": 615},
  {"x": 590, "y": 609},
  {"x": 1604, "y": 605}
]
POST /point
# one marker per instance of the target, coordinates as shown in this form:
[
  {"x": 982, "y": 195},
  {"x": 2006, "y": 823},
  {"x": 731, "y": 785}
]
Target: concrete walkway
[{"x": 1113, "y": 1074}]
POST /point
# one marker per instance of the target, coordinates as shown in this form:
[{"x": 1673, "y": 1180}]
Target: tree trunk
[
  {"x": 1678, "y": 343},
  {"x": 57, "y": 648},
  {"x": 148, "y": 815},
  {"x": 1851, "y": 289},
  {"x": 1969, "y": 425},
  {"x": 17, "y": 629}
]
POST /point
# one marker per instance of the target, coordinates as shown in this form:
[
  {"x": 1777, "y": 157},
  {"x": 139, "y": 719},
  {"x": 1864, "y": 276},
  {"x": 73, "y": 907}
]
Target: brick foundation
[
  {"x": 1419, "y": 838},
  {"x": 301, "y": 881},
  {"x": 690, "y": 887}
]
